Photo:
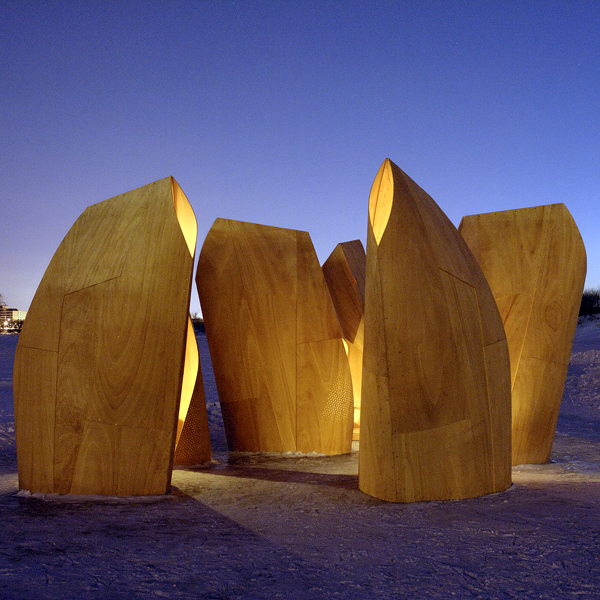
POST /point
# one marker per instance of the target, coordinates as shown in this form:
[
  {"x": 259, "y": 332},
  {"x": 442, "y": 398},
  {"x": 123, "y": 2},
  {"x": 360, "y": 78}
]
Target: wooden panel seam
[
  {"x": 87, "y": 287},
  {"x": 471, "y": 285}
]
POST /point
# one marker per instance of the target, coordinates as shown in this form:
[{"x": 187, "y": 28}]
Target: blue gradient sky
[{"x": 281, "y": 112}]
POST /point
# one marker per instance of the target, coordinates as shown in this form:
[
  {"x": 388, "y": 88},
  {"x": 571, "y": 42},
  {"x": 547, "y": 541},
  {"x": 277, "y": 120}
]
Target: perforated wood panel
[
  {"x": 280, "y": 367},
  {"x": 344, "y": 272}
]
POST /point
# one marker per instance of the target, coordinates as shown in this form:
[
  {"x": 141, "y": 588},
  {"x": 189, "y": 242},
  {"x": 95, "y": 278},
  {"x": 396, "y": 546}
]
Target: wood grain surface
[
  {"x": 435, "y": 415},
  {"x": 535, "y": 262},
  {"x": 281, "y": 372},
  {"x": 344, "y": 272},
  {"x": 104, "y": 341},
  {"x": 192, "y": 444}
]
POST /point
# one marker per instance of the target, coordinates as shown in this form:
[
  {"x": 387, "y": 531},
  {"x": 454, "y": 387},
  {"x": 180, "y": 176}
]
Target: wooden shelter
[
  {"x": 278, "y": 356},
  {"x": 535, "y": 263},
  {"x": 344, "y": 272},
  {"x": 101, "y": 358},
  {"x": 435, "y": 414}
]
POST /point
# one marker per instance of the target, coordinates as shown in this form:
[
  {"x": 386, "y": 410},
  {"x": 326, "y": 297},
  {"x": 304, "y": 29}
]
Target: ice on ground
[{"x": 268, "y": 525}]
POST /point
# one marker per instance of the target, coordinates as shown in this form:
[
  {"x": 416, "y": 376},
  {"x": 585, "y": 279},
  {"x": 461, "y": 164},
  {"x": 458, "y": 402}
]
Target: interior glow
[
  {"x": 380, "y": 200},
  {"x": 190, "y": 373},
  {"x": 185, "y": 216}
]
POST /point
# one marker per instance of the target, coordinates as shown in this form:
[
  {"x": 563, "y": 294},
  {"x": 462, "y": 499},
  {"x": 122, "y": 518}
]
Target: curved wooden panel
[
  {"x": 435, "y": 415},
  {"x": 534, "y": 260},
  {"x": 280, "y": 368},
  {"x": 344, "y": 272},
  {"x": 104, "y": 341},
  {"x": 192, "y": 444}
]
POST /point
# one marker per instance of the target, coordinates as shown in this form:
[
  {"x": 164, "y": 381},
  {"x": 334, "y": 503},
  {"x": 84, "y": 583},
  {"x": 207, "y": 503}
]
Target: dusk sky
[{"x": 281, "y": 113}]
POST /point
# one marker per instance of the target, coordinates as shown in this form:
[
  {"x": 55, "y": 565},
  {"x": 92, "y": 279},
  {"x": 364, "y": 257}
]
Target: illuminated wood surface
[
  {"x": 435, "y": 415},
  {"x": 344, "y": 272},
  {"x": 99, "y": 363},
  {"x": 192, "y": 444},
  {"x": 535, "y": 263},
  {"x": 280, "y": 366}
]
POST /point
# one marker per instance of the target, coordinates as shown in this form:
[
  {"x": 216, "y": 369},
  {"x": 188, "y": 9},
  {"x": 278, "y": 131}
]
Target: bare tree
[{"x": 2, "y": 301}]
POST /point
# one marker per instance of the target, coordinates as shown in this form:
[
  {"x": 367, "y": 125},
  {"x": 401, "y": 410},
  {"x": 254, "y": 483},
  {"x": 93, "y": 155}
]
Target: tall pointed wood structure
[
  {"x": 100, "y": 361},
  {"x": 344, "y": 272},
  {"x": 435, "y": 415},
  {"x": 280, "y": 366},
  {"x": 535, "y": 263}
]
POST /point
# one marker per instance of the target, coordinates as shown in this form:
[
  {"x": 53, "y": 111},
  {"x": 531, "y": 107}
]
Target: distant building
[{"x": 11, "y": 318}]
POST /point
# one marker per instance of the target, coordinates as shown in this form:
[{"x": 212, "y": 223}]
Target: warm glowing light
[
  {"x": 185, "y": 216},
  {"x": 190, "y": 373},
  {"x": 381, "y": 199}
]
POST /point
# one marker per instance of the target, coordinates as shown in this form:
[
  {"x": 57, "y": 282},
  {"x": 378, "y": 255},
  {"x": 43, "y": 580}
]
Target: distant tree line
[
  {"x": 590, "y": 302},
  {"x": 197, "y": 322}
]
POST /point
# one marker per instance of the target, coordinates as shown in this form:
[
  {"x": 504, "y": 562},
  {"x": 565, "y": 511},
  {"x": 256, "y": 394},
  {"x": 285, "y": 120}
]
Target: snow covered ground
[{"x": 274, "y": 526}]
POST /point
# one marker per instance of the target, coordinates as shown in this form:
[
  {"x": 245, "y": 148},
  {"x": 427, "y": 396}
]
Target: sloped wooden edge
[
  {"x": 307, "y": 334},
  {"x": 537, "y": 282},
  {"x": 402, "y": 461},
  {"x": 344, "y": 272},
  {"x": 45, "y": 340}
]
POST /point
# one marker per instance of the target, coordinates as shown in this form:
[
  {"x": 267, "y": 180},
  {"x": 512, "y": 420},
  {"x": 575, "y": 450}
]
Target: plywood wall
[
  {"x": 100, "y": 360},
  {"x": 280, "y": 366},
  {"x": 435, "y": 415},
  {"x": 535, "y": 263}
]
